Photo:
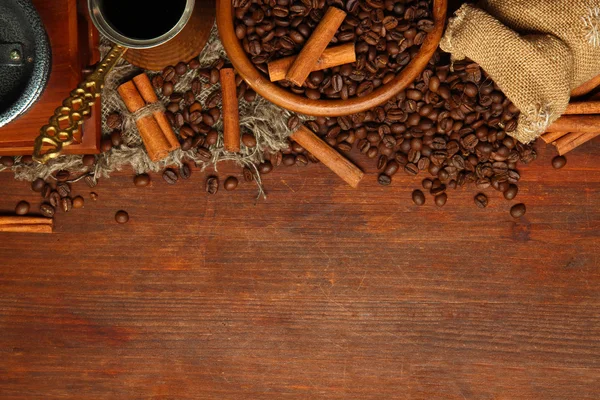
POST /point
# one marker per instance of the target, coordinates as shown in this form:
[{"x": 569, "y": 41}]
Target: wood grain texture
[
  {"x": 70, "y": 34},
  {"x": 321, "y": 291}
]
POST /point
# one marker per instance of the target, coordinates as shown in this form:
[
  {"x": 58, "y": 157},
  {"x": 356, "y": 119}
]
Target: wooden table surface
[{"x": 319, "y": 292}]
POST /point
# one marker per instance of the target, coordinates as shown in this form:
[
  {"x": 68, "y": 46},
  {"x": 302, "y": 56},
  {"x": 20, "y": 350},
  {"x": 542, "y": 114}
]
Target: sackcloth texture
[
  {"x": 535, "y": 51},
  {"x": 265, "y": 120}
]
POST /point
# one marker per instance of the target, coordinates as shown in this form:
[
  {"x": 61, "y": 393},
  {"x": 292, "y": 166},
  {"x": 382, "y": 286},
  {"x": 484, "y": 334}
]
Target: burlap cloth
[
  {"x": 536, "y": 51},
  {"x": 265, "y": 120}
]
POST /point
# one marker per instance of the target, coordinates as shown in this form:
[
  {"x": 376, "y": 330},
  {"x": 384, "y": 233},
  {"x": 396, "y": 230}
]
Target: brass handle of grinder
[{"x": 68, "y": 118}]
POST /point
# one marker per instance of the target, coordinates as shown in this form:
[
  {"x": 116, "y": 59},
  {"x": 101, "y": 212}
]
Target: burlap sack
[{"x": 536, "y": 51}]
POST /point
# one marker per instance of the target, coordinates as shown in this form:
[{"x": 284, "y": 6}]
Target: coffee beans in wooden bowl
[{"x": 387, "y": 36}]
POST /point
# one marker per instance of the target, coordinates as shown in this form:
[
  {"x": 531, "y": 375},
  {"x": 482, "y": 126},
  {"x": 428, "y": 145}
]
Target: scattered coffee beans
[
  {"x": 518, "y": 210},
  {"x": 22, "y": 208},
  {"x": 212, "y": 185},
  {"x": 511, "y": 192},
  {"x": 141, "y": 180},
  {"x": 78, "y": 202},
  {"x": 47, "y": 210},
  {"x": 121, "y": 217},
  {"x": 418, "y": 197},
  {"x": 185, "y": 172},
  {"x": 440, "y": 199},
  {"x": 559, "y": 161},
  {"x": 170, "y": 176},
  {"x": 230, "y": 183},
  {"x": 37, "y": 185},
  {"x": 481, "y": 200},
  {"x": 66, "y": 204}
]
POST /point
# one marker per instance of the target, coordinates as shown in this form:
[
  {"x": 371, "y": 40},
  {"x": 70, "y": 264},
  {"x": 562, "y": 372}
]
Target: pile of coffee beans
[
  {"x": 387, "y": 35},
  {"x": 450, "y": 124}
]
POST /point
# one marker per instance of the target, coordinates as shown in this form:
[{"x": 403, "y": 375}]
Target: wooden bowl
[{"x": 327, "y": 108}]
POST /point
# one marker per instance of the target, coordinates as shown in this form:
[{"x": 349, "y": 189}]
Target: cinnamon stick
[
  {"x": 576, "y": 141},
  {"x": 566, "y": 139},
  {"x": 583, "y": 107},
  {"x": 586, "y": 87},
  {"x": 550, "y": 137},
  {"x": 231, "y": 116},
  {"x": 316, "y": 43},
  {"x": 26, "y": 224},
  {"x": 328, "y": 156},
  {"x": 576, "y": 123},
  {"x": 155, "y": 141},
  {"x": 331, "y": 57},
  {"x": 144, "y": 86}
]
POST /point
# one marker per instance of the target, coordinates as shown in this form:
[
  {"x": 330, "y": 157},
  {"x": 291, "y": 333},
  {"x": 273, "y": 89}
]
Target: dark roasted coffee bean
[
  {"x": 116, "y": 139},
  {"x": 88, "y": 160},
  {"x": 46, "y": 191},
  {"x": 170, "y": 176},
  {"x": 411, "y": 169},
  {"x": 391, "y": 167},
  {"x": 62, "y": 175},
  {"x": 141, "y": 180},
  {"x": 122, "y": 217},
  {"x": 440, "y": 199},
  {"x": 558, "y": 162},
  {"x": 276, "y": 158},
  {"x": 384, "y": 180},
  {"x": 54, "y": 199},
  {"x": 511, "y": 192},
  {"x": 37, "y": 185},
  {"x": 418, "y": 197},
  {"x": 185, "y": 172},
  {"x": 114, "y": 121},
  {"x": 22, "y": 208},
  {"x": 265, "y": 167},
  {"x": 168, "y": 73},
  {"x": 66, "y": 204},
  {"x": 481, "y": 200},
  {"x": 167, "y": 89},
  {"x": 203, "y": 153},
  {"x": 293, "y": 122},
  {"x": 181, "y": 68},
  {"x": 427, "y": 183},
  {"x": 63, "y": 189},
  {"x": 301, "y": 160},
  {"x": 248, "y": 175},
  {"x": 157, "y": 82},
  {"x": 518, "y": 210},
  {"x": 212, "y": 185},
  {"x": 7, "y": 161},
  {"x": 78, "y": 202},
  {"x": 230, "y": 183},
  {"x": 47, "y": 210},
  {"x": 90, "y": 180},
  {"x": 248, "y": 140}
]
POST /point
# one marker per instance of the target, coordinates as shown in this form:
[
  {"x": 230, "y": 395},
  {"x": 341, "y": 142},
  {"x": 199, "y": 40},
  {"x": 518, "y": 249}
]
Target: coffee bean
[
  {"x": 141, "y": 180},
  {"x": 91, "y": 181},
  {"x": 170, "y": 176},
  {"x": 559, "y": 161},
  {"x": 440, "y": 199},
  {"x": 181, "y": 68},
  {"x": 167, "y": 89},
  {"x": 511, "y": 192},
  {"x": 62, "y": 175},
  {"x": 249, "y": 140},
  {"x": 66, "y": 204},
  {"x": 22, "y": 208},
  {"x": 418, "y": 197},
  {"x": 185, "y": 172},
  {"x": 168, "y": 73},
  {"x": 265, "y": 167},
  {"x": 78, "y": 202},
  {"x": 248, "y": 175},
  {"x": 27, "y": 160},
  {"x": 122, "y": 217},
  {"x": 63, "y": 189},
  {"x": 203, "y": 153},
  {"x": 212, "y": 185},
  {"x": 37, "y": 185},
  {"x": 54, "y": 199},
  {"x": 157, "y": 82},
  {"x": 411, "y": 169},
  {"x": 88, "y": 160},
  {"x": 46, "y": 191},
  {"x": 7, "y": 161},
  {"x": 384, "y": 180},
  {"x": 116, "y": 139},
  {"x": 481, "y": 200},
  {"x": 230, "y": 183},
  {"x": 518, "y": 210},
  {"x": 114, "y": 121},
  {"x": 293, "y": 123},
  {"x": 47, "y": 210}
]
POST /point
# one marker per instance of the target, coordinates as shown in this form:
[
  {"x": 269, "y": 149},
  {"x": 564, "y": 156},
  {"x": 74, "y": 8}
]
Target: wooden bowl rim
[{"x": 327, "y": 108}]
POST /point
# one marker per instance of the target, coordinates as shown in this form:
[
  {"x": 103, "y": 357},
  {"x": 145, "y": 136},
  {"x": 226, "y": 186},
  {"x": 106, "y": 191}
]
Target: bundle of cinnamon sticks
[
  {"x": 581, "y": 121},
  {"x": 154, "y": 127}
]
